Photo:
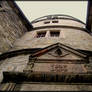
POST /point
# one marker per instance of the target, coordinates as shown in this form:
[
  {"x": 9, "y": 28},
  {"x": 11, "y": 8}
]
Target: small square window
[
  {"x": 54, "y": 34},
  {"x": 41, "y": 34},
  {"x": 55, "y": 21},
  {"x": 46, "y": 22}
]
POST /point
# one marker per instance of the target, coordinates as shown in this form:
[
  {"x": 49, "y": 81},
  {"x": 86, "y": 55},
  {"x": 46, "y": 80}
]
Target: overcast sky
[{"x": 36, "y": 9}]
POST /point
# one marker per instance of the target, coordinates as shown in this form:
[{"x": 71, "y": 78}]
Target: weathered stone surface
[
  {"x": 13, "y": 64},
  {"x": 14, "y": 68},
  {"x": 71, "y": 37},
  {"x": 45, "y": 87},
  {"x": 52, "y": 87},
  {"x": 11, "y": 27}
]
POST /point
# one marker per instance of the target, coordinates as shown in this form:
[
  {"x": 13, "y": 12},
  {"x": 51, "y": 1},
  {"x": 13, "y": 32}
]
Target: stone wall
[
  {"x": 61, "y": 22},
  {"x": 11, "y": 27},
  {"x": 74, "y": 38},
  {"x": 52, "y": 87},
  {"x": 15, "y": 64}
]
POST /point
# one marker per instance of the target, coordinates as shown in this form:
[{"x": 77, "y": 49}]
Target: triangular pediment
[
  {"x": 59, "y": 51},
  {"x": 57, "y": 58}
]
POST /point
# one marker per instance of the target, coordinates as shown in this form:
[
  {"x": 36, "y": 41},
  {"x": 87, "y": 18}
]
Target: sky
[{"x": 36, "y": 9}]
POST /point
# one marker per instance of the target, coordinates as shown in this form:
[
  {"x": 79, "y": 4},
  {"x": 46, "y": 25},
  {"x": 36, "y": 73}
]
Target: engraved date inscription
[{"x": 58, "y": 68}]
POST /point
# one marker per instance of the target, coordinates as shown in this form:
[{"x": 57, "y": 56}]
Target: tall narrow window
[
  {"x": 41, "y": 34},
  {"x": 54, "y": 34}
]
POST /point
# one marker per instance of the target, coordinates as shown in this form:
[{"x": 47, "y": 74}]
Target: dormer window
[
  {"x": 54, "y": 34},
  {"x": 41, "y": 34}
]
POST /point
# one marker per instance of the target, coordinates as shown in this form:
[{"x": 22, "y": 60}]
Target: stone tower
[
  {"x": 54, "y": 53},
  {"x": 12, "y": 26}
]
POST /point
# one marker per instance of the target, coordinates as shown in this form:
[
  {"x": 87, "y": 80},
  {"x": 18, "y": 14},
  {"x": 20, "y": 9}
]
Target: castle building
[{"x": 53, "y": 53}]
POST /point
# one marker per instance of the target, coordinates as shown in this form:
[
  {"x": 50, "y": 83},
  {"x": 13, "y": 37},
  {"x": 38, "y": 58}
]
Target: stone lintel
[{"x": 28, "y": 76}]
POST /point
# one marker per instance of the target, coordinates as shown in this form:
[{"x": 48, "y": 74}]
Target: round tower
[
  {"x": 58, "y": 50},
  {"x": 53, "y": 29}
]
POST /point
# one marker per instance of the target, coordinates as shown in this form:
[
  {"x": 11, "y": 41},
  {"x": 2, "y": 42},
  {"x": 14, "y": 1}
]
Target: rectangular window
[
  {"x": 41, "y": 34},
  {"x": 54, "y": 34},
  {"x": 55, "y": 21},
  {"x": 46, "y": 22}
]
